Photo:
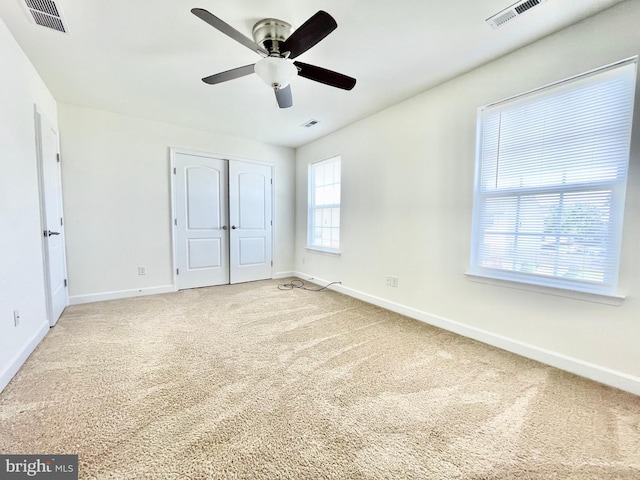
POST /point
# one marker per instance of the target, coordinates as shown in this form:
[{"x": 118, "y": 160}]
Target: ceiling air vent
[
  {"x": 512, "y": 12},
  {"x": 310, "y": 123},
  {"x": 46, "y": 13}
]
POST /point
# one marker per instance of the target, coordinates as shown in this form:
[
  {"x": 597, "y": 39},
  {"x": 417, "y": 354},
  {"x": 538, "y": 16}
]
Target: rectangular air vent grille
[
  {"x": 523, "y": 7},
  {"x": 44, "y": 6},
  {"x": 504, "y": 18},
  {"x": 514, "y": 11},
  {"x": 47, "y": 14},
  {"x": 310, "y": 123}
]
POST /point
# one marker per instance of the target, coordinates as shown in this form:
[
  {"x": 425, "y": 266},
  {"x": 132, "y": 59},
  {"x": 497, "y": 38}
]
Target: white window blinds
[{"x": 550, "y": 182}]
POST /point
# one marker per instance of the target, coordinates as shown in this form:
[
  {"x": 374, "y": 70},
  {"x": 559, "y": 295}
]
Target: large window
[
  {"x": 551, "y": 172},
  {"x": 324, "y": 206}
]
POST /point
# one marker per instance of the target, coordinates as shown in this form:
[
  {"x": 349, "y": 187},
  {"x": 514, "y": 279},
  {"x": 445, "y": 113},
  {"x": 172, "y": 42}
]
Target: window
[
  {"x": 324, "y": 206},
  {"x": 551, "y": 172}
]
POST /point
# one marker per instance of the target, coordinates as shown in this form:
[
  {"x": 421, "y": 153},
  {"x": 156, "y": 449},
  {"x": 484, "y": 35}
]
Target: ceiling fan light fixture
[{"x": 276, "y": 72}]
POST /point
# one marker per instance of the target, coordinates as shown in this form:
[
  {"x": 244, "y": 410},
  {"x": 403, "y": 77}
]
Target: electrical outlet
[
  {"x": 16, "y": 318},
  {"x": 142, "y": 270},
  {"x": 388, "y": 280},
  {"x": 394, "y": 281}
]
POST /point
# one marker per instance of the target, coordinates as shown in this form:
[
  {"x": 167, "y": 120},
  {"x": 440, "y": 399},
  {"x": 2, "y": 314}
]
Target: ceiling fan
[{"x": 272, "y": 38}]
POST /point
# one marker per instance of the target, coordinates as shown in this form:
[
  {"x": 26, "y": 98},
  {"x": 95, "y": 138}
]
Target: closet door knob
[{"x": 233, "y": 227}]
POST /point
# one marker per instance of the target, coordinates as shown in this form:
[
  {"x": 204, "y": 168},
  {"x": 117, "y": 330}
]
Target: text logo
[{"x": 50, "y": 467}]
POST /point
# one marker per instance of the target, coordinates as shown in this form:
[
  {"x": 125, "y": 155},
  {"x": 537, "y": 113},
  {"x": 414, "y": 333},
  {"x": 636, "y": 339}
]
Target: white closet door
[
  {"x": 223, "y": 220},
  {"x": 201, "y": 206},
  {"x": 250, "y": 217}
]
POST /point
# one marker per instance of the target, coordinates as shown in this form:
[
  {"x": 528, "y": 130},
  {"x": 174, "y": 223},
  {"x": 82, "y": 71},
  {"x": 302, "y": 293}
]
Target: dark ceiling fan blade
[
  {"x": 229, "y": 75},
  {"x": 322, "y": 75},
  {"x": 228, "y": 30},
  {"x": 309, "y": 33},
  {"x": 283, "y": 95}
]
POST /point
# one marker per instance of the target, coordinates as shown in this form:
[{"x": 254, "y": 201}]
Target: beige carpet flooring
[{"x": 251, "y": 382}]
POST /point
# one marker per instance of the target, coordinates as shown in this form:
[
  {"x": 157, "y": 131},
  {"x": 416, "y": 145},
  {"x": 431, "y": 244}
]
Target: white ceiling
[{"x": 145, "y": 58}]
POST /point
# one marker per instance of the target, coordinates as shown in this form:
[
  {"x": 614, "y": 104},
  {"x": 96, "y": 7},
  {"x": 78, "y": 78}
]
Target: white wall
[
  {"x": 21, "y": 267},
  {"x": 406, "y": 211},
  {"x": 116, "y": 178}
]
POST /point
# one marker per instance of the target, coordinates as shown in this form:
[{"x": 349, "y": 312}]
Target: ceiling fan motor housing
[{"x": 270, "y": 33}]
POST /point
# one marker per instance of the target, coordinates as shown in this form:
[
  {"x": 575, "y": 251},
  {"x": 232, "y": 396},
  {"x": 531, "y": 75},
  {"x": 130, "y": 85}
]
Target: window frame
[
  {"x": 498, "y": 275},
  {"x": 312, "y": 207}
]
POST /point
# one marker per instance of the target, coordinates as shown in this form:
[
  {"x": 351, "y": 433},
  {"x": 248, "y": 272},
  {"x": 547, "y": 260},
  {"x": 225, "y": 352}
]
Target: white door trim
[{"x": 173, "y": 151}]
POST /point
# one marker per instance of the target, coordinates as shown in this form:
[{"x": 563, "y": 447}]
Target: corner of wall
[{"x": 13, "y": 366}]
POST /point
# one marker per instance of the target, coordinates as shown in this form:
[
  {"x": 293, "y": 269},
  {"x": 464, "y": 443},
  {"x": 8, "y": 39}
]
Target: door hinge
[
  {"x": 272, "y": 263},
  {"x": 271, "y": 180},
  {"x": 61, "y": 221},
  {"x": 65, "y": 282},
  {"x": 174, "y": 170},
  {"x": 175, "y": 222},
  {"x": 271, "y": 223},
  {"x": 58, "y": 157},
  {"x": 177, "y": 271}
]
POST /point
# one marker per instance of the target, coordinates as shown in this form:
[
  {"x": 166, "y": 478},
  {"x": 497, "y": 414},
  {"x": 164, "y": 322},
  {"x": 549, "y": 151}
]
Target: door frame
[
  {"x": 174, "y": 243},
  {"x": 38, "y": 117}
]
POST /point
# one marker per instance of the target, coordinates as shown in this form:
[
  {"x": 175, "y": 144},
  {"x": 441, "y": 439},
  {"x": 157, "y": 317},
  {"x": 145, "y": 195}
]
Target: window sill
[
  {"x": 615, "y": 300},
  {"x": 326, "y": 251}
]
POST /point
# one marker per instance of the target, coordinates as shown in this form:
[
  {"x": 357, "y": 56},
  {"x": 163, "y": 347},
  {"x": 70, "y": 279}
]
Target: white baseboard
[
  {"x": 598, "y": 373},
  {"x": 18, "y": 360},
  {"x": 138, "y": 292},
  {"x": 278, "y": 275}
]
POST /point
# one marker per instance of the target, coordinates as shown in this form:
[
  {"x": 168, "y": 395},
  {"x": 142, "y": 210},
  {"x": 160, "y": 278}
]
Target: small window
[
  {"x": 551, "y": 173},
  {"x": 324, "y": 206}
]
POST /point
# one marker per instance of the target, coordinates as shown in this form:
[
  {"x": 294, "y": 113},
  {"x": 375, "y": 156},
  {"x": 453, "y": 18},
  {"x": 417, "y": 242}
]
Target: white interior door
[
  {"x": 223, "y": 222},
  {"x": 201, "y": 204},
  {"x": 55, "y": 267},
  {"x": 251, "y": 221}
]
